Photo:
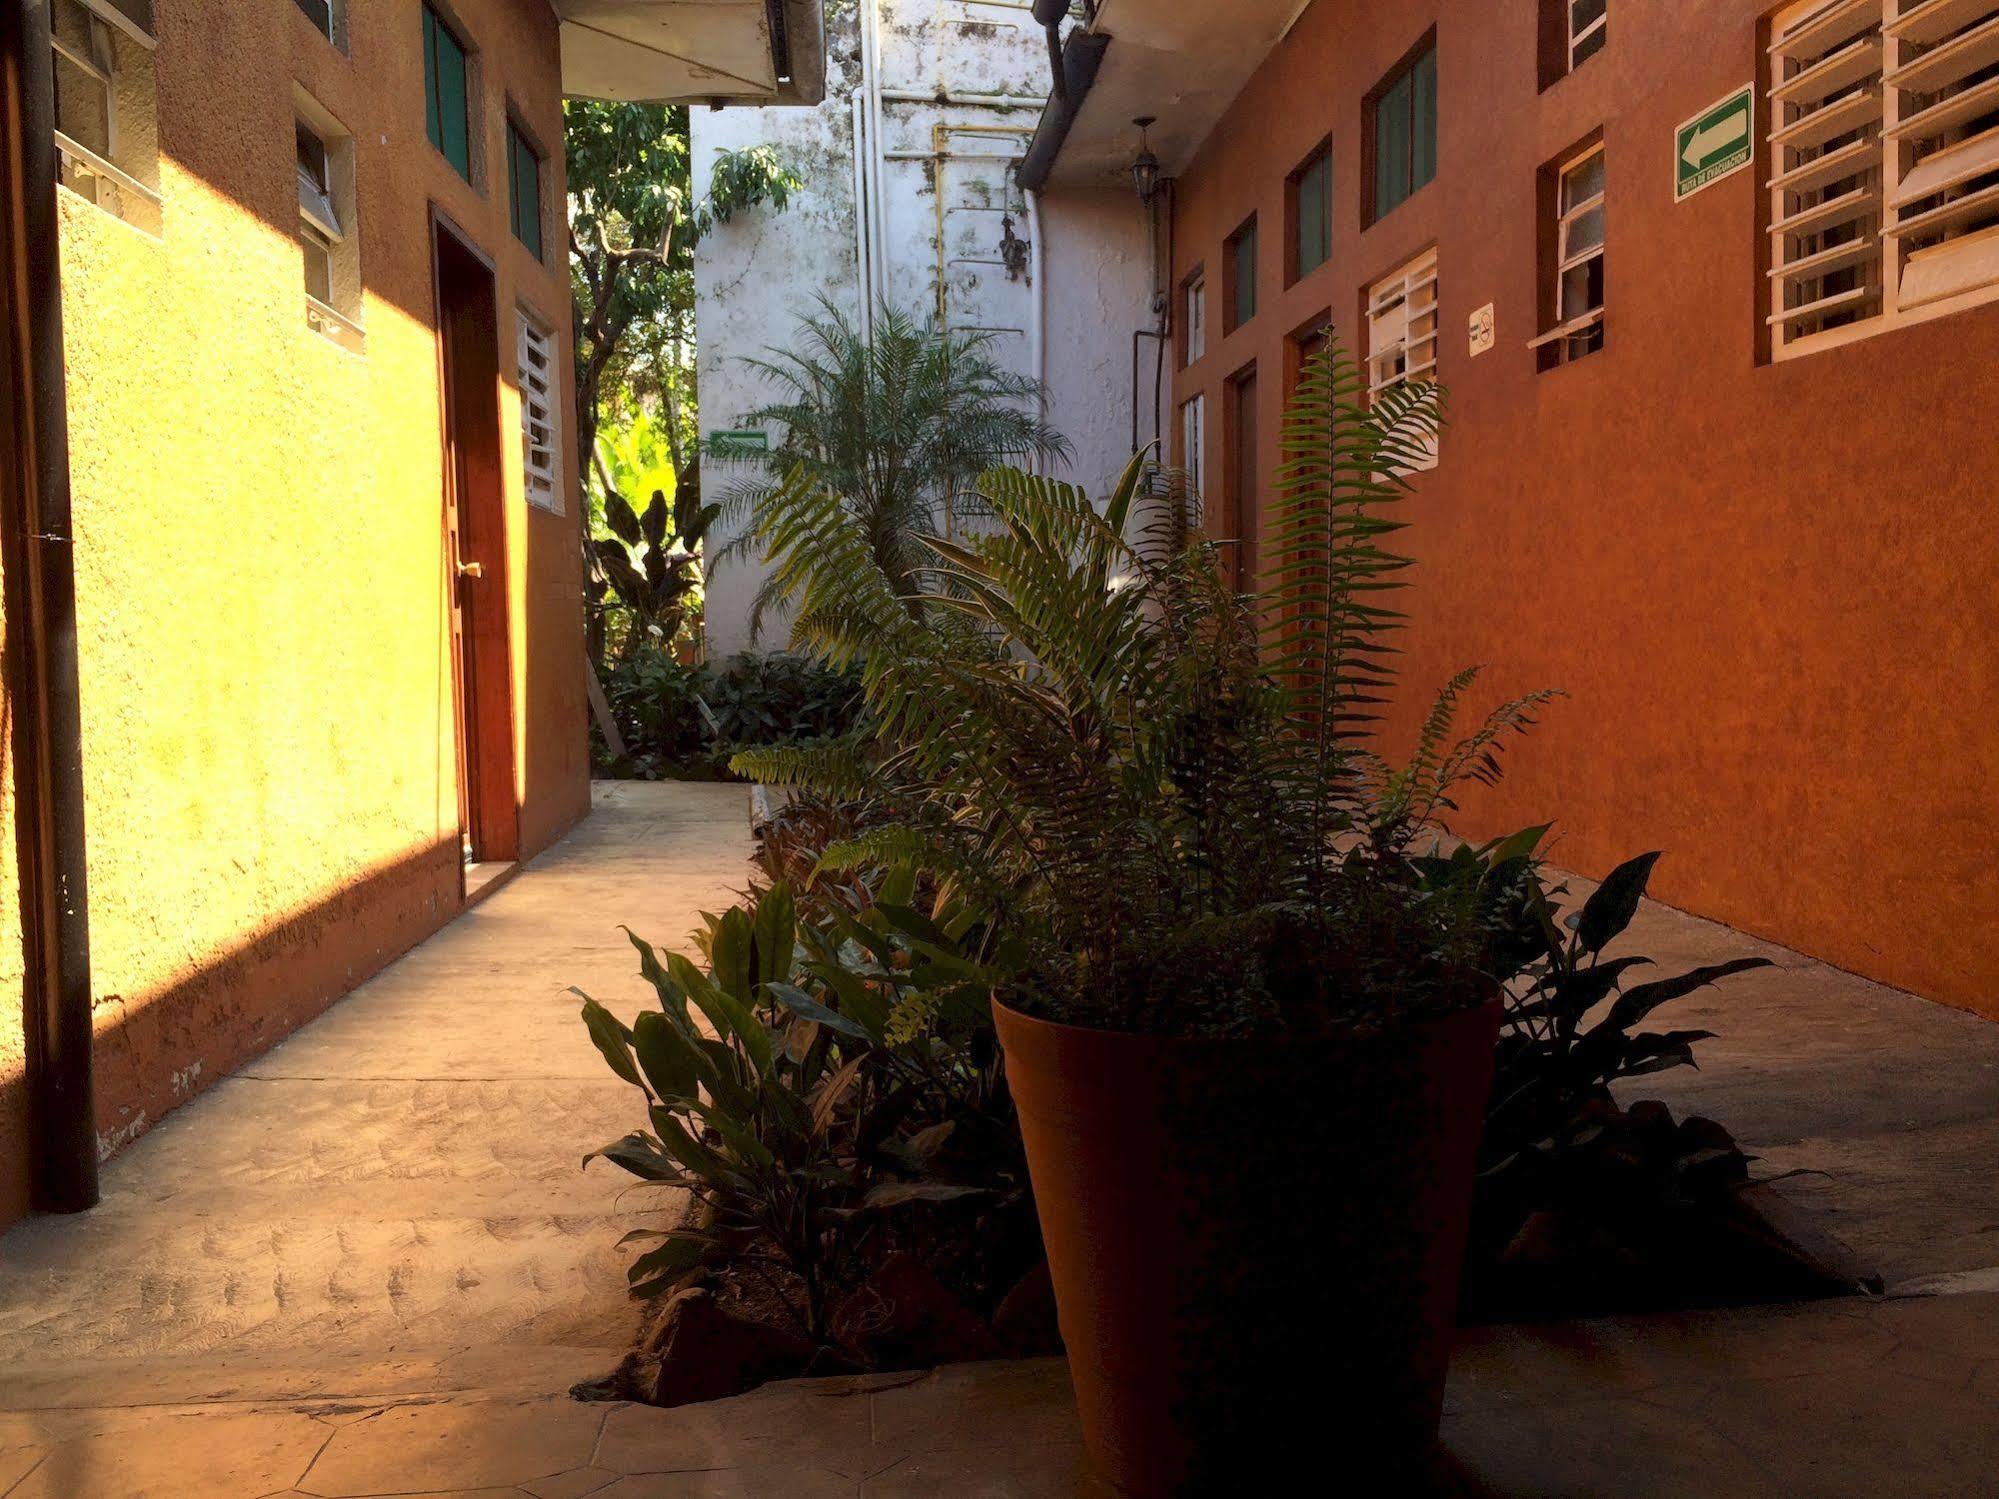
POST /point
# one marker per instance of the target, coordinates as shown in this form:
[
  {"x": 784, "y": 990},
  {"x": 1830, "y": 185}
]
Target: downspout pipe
[{"x": 41, "y": 664}]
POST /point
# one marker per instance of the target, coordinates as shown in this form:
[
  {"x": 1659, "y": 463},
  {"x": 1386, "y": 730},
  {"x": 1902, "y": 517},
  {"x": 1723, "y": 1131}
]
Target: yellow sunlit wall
[{"x": 266, "y": 669}]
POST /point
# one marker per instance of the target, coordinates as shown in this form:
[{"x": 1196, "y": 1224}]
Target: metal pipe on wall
[
  {"x": 871, "y": 90},
  {"x": 40, "y": 602},
  {"x": 1037, "y": 326}
]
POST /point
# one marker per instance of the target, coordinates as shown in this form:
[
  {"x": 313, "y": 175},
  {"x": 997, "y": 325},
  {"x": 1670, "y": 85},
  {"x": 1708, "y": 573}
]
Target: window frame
[
  {"x": 1956, "y": 272},
  {"x": 1194, "y": 317},
  {"x": 1194, "y": 442},
  {"x": 529, "y": 329},
  {"x": 1402, "y": 302},
  {"x": 1409, "y": 70},
  {"x": 1319, "y": 159},
  {"x": 437, "y": 24},
  {"x": 1599, "y": 28},
  {"x": 111, "y": 179},
  {"x": 1234, "y": 261},
  {"x": 520, "y": 143},
  {"x": 1570, "y": 337}
]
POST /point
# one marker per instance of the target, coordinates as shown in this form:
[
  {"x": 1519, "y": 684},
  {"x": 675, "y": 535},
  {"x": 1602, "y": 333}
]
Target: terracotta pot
[{"x": 1255, "y": 1244}]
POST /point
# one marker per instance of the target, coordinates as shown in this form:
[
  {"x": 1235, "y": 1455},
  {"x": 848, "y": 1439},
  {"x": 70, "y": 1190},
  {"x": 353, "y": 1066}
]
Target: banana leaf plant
[
  {"x": 800, "y": 1080},
  {"x": 1575, "y": 1023},
  {"x": 649, "y": 568}
]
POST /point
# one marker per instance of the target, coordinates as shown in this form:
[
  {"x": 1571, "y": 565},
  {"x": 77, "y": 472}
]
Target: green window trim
[
  {"x": 1405, "y": 134},
  {"x": 447, "y": 108},
  {"x": 524, "y": 189}
]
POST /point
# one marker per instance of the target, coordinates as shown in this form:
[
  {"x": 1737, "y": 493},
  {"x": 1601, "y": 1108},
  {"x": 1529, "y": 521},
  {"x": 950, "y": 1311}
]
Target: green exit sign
[
  {"x": 1716, "y": 143},
  {"x": 743, "y": 441}
]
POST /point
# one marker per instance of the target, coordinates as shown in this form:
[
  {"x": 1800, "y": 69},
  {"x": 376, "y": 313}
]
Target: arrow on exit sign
[{"x": 1716, "y": 143}]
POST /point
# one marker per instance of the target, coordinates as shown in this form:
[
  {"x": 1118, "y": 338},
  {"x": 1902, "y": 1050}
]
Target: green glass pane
[
  {"x": 1315, "y": 215},
  {"x": 1245, "y": 276},
  {"x": 526, "y": 191},
  {"x": 1423, "y": 151},
  {"x": 452, "y": 136},
  {"x": 1391, "y": 146}
]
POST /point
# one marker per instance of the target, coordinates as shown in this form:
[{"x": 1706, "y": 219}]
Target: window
[
  {"x": 107, "y": 138},
  {"x": 1239, "y": 260},
  {"x": 329, "y": 17},
  {"x": 1575, "y": 290},
  {"x": 524, "y": 189},
  {"x": 1305, "y": 344},
  {"x": 319, "y": 222},
  {"x": 1588, "y": 23},
  {"x": 1242, "y": 490},
  {"x": 1402, "y": 125},
  {"x": 1194, "y": 323},
  {"x": 1402, "y": 334},
  {"x": 328, "y": 244},
  {"x": 446, "y": 95},
  {"x": 1884, "y": 198},
  {"x": 1193, "y": 442},
  {"x": 1311, "y": 205},
  {"x": 541, "y": 475}
]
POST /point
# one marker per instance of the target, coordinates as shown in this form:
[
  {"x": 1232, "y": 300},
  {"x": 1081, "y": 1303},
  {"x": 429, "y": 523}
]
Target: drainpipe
[
  {"x": 871, "y": 88},
  {"x": 40, "y": 606},
  {"x": 1038, "y": 266}
]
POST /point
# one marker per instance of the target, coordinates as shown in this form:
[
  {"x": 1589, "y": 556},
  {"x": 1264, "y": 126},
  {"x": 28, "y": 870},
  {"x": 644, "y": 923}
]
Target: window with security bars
[
  {"x": 1402, "y": 332},
  {"x": 541, "y": 475},
  {"x": 1884, "y": 193},
  {"x": 1574, "y": 293}
]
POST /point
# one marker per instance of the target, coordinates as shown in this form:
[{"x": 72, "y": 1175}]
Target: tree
[
  {"x": 899, "y": 426},
  {"x": 634, "y": 220}
]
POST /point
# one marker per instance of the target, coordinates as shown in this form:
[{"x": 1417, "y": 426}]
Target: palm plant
[
  {"x": 898, "y": 425},
  {"x": 1159, "y": 781}
]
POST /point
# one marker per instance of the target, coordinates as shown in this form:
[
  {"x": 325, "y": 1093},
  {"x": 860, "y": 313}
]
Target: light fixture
[{"x": 1145, "y": 167}]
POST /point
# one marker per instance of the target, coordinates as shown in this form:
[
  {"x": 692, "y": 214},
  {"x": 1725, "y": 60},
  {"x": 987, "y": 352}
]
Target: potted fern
[{"x": 1252, "y": 1036}]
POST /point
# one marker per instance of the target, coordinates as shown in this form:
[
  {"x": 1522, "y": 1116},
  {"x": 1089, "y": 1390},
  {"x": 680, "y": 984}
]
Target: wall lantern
[{"x": 1145, "y": 168}]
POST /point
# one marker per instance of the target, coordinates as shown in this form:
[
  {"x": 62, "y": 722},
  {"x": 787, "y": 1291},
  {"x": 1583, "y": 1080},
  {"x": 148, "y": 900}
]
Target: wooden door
[{"x": 476, "y": 548}]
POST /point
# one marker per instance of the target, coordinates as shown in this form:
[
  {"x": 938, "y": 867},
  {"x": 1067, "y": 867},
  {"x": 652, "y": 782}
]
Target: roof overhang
[
  {"x": 694, "y": 51},
  {"x": 1181, "y": 64}
]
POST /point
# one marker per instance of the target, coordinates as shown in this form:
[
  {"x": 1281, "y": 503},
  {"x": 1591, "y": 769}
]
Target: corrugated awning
[{"x": 694, "y": 51}]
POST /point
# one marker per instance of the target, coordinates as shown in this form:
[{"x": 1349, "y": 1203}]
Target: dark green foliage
[
  {"x": 645, "y": 577},
  {"x": 655, "y": 699},
  {"x": 771, "y": 698},
  {"x": 808, "y": 1081},
  {"x": 898, "y": 426},
  {"x": 1575, "y": 1021},
  {"x": 1156, "y": 781},
  {"x": 685, "y": 721}
]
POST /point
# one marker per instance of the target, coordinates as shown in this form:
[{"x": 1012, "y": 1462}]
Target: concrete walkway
[{"x": 369, "y": 1264}]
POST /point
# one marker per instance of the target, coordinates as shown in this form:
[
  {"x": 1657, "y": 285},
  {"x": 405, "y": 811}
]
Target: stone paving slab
[{"x": 403, "y": 1176}]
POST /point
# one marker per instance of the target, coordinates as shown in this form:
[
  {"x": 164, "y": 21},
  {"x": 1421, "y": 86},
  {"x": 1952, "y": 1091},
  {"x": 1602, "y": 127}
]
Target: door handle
[{"x": 471, "y": 569}]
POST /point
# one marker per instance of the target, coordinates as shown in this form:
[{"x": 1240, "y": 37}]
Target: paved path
[
  {"x": 1875, "y": 1112},
  {"x": 401, "y": 1179},
  {"x": 368, "y": 1265}
]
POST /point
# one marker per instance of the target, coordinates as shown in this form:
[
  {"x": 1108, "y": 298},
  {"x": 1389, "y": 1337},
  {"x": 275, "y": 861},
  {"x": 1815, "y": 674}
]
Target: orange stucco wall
[
  {"x": 1769, "y": 589},
  {"x": 266, "y": 672}
]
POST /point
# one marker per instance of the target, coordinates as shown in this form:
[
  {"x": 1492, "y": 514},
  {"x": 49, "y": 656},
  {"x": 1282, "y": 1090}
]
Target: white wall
[{"x": 1085, "y": 290}]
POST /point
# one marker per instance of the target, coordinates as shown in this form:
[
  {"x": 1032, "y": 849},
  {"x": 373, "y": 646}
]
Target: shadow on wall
[{"x": 156, "y": 1051}]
